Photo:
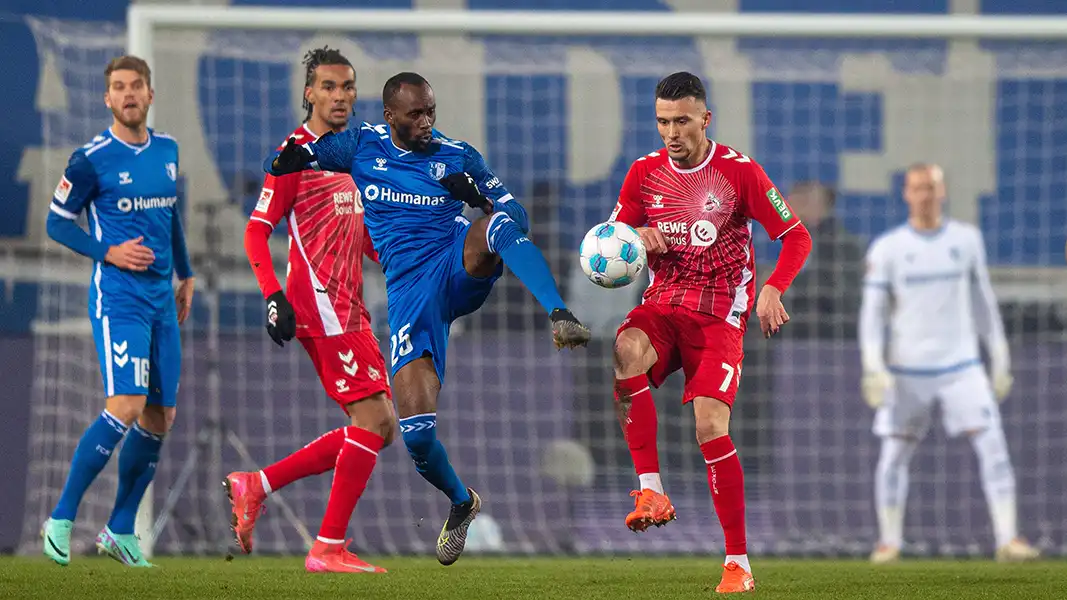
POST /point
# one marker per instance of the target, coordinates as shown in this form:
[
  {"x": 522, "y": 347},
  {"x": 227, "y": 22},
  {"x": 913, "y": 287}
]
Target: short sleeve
[
  {"x": 764, "y": 203},
  {"x": 630, "y": 209},
  {"x": 276, "y": 198},
  {"x": 76, "y": 188}
]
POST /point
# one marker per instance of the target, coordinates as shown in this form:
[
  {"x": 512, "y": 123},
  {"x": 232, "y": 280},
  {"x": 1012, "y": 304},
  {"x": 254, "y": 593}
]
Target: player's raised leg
[
  {"x": 417, "y": 387},
  {"x": 635, "y": 356},
  {"x": 499, "y": 237}
]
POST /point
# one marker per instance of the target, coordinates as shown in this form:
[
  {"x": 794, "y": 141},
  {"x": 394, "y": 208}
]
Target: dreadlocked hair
[{"x": 316, "y": 58}]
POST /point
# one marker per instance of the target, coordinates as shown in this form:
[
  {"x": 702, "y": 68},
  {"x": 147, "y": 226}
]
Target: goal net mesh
[{"x": 560, "y": 119}]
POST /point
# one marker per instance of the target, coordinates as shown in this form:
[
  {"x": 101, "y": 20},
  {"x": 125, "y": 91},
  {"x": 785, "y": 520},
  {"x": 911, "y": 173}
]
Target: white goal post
[{"x": 808, "y": 447}]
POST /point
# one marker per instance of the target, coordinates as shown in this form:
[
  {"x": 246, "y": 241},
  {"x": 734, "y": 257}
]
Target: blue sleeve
[
  {"x": 182, "y": 267},
  {"x": 490, "y": 185},
  {"x": 331, "y": 152},
  {"x": 76, "y": 190}
]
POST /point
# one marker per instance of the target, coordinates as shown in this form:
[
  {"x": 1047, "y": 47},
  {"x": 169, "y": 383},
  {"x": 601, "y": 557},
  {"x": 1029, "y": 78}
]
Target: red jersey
[
  {"x": 706, "y": 214},
  {"x": 327, "y": 241}
]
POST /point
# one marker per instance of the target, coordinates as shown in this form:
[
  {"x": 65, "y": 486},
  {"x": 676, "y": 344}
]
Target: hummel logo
[
  {"x": 124, "y": 178},
  {"x": 381, "y": 165},
  {"x": 348, "y": 360}
]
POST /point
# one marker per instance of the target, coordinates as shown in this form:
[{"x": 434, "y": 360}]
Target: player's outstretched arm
[{"x": 331, "y": 152}]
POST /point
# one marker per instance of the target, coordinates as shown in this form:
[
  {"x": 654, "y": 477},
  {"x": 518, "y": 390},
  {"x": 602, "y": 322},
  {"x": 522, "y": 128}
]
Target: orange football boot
[
  {"x": 650, "y": 508},
  {"x": 735, "y": 579},
  {"x": 335, "y": 558},
  {"x": 246, "y": 497}
]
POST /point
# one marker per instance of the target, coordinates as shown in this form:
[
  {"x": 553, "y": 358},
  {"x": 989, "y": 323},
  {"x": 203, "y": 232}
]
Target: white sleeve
[
  {"x": 987, "y": 320},
  {"x": 874, "y": 309}
]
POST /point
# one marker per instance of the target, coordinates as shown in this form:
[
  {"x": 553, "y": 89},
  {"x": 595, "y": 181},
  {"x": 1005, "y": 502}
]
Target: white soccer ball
[{"x": 612, "y": 255}]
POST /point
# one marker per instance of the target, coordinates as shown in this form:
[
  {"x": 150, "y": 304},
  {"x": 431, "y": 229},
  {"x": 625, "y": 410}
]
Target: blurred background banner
[{"x": 560, "y": 118}]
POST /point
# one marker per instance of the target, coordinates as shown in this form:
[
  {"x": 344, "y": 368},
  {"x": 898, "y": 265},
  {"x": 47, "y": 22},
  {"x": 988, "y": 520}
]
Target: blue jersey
[
  {"x": 129, "y": 191},
  {"x": 408, "y": 213}
]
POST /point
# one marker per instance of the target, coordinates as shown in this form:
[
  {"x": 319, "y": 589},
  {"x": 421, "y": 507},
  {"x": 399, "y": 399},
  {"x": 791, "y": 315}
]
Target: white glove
[
  {"x": 875, "y": 385},
  {"x": 1002, "y": 382}
]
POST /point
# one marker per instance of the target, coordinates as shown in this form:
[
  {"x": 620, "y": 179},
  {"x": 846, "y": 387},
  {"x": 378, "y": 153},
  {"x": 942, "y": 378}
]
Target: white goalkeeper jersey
[{"x": 930, "y": 293}]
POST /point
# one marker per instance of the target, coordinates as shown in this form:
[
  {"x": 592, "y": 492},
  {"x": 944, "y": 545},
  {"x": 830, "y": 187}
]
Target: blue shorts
[
  {"x": 425, "y": 302},
  {"x": 137, "y": 340}
]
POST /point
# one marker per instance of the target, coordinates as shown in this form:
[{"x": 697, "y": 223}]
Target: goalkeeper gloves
[
  {"x": 462, "y": 187},
  {"x": 875, "y": 385},
  {"x": 281, "y": 320},
  {"x": 1002, "y": 382},
  {"x": 293, "y": 158}
]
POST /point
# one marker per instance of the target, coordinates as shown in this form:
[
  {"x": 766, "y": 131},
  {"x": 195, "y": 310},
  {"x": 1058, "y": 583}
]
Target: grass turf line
[{"x": 475, "y": 578}]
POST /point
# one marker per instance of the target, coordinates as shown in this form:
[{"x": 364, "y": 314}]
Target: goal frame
[{"x": 143, "y": 22}]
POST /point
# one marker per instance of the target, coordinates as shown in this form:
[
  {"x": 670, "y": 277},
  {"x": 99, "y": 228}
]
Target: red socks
[
  {"x": 640, "y": 427},
  {"x": 317, "y": 457},
  {"x": 727, "y": 483},
  {"x": 355, "y": 463}
]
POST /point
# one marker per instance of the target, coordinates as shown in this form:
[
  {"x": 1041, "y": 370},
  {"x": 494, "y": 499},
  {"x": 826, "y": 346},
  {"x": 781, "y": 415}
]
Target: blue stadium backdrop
[{"x": 849, "y": 113}]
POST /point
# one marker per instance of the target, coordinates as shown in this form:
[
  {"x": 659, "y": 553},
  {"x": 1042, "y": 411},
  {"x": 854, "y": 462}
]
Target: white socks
[
  {"x": 651, "y": 481},
  {"x": 266, "y": 484},
  {"x": 740, "y": 559},
  {"x": 891, "y": 488},
  {"x": 998, "y": 482}
]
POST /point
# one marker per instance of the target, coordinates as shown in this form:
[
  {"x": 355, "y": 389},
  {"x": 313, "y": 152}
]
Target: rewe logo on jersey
[
  {"x": 347, "y": 203},
  {"x": 385, "y": 194},
  {"x": 142, "y": 203}
]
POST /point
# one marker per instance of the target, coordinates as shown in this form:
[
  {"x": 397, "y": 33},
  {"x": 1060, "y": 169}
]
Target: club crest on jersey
[
  {"x": 437, "y": 170},
  {"x": 172, "y": 171},
  {"x": 713, "y": 203}
]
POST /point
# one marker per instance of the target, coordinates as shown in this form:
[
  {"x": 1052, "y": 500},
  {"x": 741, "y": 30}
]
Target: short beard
[{"x": 139, "y": 123}]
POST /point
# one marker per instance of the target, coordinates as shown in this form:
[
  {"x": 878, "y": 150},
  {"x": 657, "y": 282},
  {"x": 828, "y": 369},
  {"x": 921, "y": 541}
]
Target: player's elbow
[{"x": 799, "y": 238}]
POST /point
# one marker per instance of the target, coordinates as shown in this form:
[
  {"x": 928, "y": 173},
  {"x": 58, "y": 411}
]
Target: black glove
[
  {"x": 462, "y": 187},
  {"x": 292, "y": 159},
  {"x": 281, "y": 320}
]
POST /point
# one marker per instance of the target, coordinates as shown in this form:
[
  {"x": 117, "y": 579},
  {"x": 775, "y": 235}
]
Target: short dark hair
[
  {"x": 391, "y": 87},
  {"x": 316, "y": 58},
  {"x": 128, "y": 62},
  {"x": 682, "y": 84}
]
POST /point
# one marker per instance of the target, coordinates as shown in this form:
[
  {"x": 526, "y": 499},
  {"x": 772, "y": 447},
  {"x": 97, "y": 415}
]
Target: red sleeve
[
  {"x": 796, "y": 245},
  {"x": 764, "y": 203},
  {"x": 368, "y": 247},
  {"x": 630, "y": 209},
  {"x": 275, "y": 201}
]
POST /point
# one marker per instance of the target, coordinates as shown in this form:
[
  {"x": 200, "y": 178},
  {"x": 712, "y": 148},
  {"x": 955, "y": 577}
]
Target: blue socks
[
  {"x": 90, "y": 457},
  {"x": 524, "y": 259},
  {"x": 431, "y": 460},
  {"x": 137, "y": 467}
]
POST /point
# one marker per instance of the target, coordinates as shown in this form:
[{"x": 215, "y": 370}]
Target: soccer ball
[{"x": 612, "y": 255}]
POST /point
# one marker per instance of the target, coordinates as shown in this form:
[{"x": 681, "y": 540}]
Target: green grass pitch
[{"x": 478, "y": 578}]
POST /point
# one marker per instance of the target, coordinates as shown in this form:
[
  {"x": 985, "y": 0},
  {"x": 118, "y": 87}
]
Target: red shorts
[
  {"x": 350, "y": 365},
  {"x": 707, "y": 349}
]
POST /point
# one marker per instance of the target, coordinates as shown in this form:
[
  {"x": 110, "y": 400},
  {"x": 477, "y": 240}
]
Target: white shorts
[{"x": 966, "y": 399}]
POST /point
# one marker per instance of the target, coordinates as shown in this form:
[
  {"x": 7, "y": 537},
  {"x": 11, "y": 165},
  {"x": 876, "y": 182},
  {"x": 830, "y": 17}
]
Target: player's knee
[
  {"x": 712, "y": 419},
  {"x": 631, "y": 352},
  {"x": 157, "y": 419},
  {"x": 126, "y": 408}
]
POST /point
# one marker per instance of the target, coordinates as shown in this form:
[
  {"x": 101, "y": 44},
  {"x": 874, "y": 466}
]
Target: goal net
[{"x": 560, "y": 116}]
